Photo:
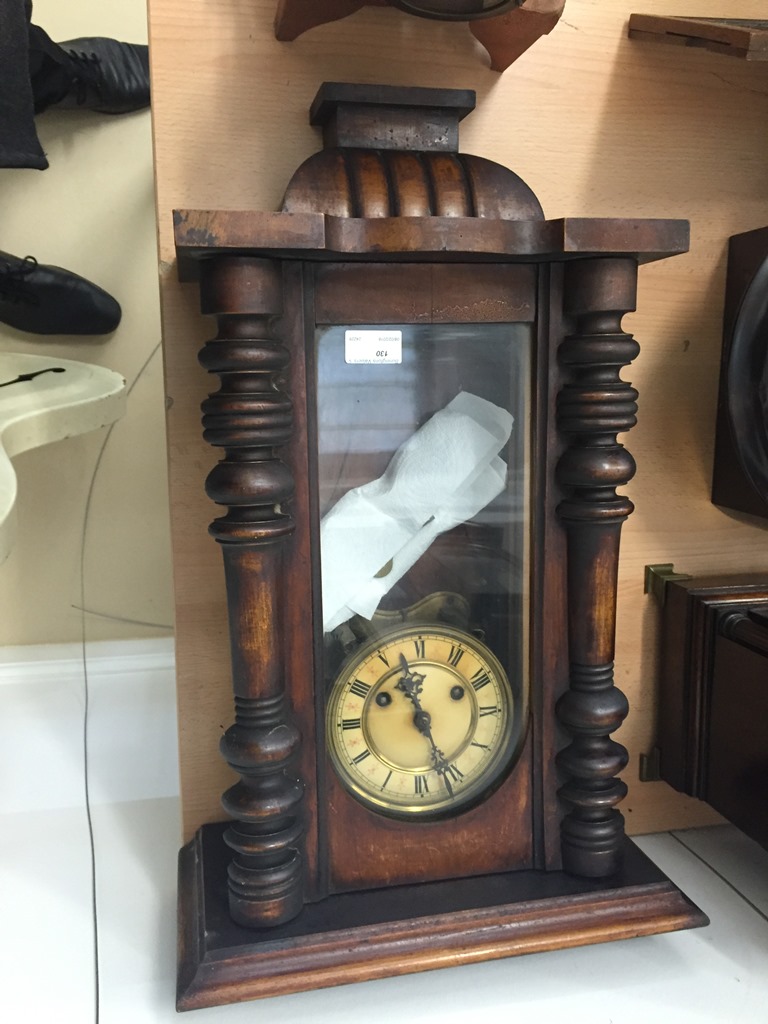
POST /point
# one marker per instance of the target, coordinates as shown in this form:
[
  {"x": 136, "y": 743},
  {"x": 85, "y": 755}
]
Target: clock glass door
[
  {"x": 423, "y": 482},
  {"x": 422, "y": 426}
]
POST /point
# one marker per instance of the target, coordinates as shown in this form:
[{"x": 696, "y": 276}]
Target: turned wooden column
[
  {"x": 594, "y": 406},
  {"x": 250, "y": 418}
]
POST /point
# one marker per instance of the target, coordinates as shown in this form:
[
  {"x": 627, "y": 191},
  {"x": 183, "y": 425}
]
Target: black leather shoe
[
  {"x": 49, "y": 300},
  {"x": 107, "y": 76}
]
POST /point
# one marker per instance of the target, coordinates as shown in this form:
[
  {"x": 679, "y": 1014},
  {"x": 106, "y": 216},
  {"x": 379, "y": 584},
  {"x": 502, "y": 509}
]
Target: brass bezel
[{"x": 513, "y": 728}]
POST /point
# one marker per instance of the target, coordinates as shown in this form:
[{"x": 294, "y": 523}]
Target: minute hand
[{"x": 411, "y": 684}]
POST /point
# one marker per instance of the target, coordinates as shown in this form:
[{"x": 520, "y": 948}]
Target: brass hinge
[
  {"x": 650, "y": 766},
  {"x": 658, "y": 576}
]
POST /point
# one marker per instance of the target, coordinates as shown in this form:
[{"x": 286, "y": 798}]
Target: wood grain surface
[{"x": 598, "y": 125}]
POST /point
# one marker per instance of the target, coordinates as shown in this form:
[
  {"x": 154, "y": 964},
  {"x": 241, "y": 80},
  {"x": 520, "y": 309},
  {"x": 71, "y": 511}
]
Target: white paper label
[{"x": 373, "y": 346}]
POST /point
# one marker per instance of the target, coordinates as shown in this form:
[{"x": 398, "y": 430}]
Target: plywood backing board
[{"x": 598, "y": 125}]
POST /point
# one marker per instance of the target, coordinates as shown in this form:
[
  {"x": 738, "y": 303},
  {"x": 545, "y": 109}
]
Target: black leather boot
[
  {"x": 94, "y": 73},
  {"x": 49, "y": 300}
]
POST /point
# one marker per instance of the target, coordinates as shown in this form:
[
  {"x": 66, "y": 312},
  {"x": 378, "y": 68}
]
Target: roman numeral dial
[{"x": 422, "y": 722}]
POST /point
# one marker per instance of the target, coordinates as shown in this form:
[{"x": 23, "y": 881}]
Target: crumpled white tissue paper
[{"x": 440, "y": 477}]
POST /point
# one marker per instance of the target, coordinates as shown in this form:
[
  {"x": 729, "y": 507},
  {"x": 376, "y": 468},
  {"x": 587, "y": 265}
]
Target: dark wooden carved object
[
  {"x": 251, "y": 419},
  {"x": 713, "y": 698},
  {"x": 505, "y": 36},
  {"x": 390, "y": 224},
  {"x": 740, "y": 470},
  {"x": 593, "y": 407}
]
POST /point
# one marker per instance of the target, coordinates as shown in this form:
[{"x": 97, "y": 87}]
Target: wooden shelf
[{"x": 736, "y": 37}]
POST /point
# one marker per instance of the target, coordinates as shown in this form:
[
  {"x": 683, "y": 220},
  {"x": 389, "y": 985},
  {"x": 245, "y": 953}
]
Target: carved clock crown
[{"x": 379, "y": 160}]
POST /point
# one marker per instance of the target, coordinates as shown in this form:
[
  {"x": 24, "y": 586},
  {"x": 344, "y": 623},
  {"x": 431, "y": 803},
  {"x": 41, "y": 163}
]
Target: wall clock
[
  {"x": 740, "y": 472},
  {"x": 419, "y": 404},
  {"x": 506, "y": 28}
]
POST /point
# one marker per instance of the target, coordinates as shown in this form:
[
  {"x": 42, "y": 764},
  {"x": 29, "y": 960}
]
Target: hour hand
[
  {"x": 409, "y": 678},
  {"x": 410, "y": 684}
]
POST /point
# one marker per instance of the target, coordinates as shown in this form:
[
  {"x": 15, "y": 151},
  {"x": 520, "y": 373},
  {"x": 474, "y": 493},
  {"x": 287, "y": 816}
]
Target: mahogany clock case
[{"x": 388, "y": 226}]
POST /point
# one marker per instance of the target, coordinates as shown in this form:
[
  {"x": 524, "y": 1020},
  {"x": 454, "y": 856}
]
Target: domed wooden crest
[{"x": 376, "y": 162}]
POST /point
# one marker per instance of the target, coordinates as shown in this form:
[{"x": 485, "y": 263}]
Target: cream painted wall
[
  {"x": 598, "y": 126},
  {"x": 92, "y": 510}
]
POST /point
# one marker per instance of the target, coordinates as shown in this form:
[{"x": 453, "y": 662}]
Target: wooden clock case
[{"x": 306, "y": 888}]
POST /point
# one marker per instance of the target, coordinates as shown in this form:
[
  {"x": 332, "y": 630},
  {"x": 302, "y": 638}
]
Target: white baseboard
[
  {"x": 131, "y": 731},
  {"x": 46, "y": 661}
]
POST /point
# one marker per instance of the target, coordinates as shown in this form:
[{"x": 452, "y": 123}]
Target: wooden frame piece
[
  {"x": 735, "y": 37},
  {"x": 359, "y": 938},
  {"x": 701, "y": 616}
]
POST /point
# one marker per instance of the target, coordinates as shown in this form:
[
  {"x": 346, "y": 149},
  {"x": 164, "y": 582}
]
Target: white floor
[{"x": 717, "y": 974}]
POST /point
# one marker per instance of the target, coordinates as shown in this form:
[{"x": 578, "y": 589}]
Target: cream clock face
[{"x": 420, "y": 722}]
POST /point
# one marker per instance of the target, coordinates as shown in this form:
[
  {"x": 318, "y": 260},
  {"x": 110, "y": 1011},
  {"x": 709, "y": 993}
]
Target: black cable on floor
[{"x": 86, "y": 696}]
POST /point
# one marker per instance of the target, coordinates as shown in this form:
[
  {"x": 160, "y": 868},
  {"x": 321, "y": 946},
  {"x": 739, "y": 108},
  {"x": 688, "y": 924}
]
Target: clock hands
[{"x": 411, "y": 684}]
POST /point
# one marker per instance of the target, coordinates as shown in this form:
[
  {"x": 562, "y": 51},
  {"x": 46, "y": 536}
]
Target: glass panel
[{"x": 424, "y": 492}]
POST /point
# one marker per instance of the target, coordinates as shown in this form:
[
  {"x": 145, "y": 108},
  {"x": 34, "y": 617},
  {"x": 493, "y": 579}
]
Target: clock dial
[{"x": 421, "y": 722}]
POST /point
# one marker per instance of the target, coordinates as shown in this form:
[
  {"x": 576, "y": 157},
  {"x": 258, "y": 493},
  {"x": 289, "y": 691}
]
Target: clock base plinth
[{"x": 402, "y": 930}]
